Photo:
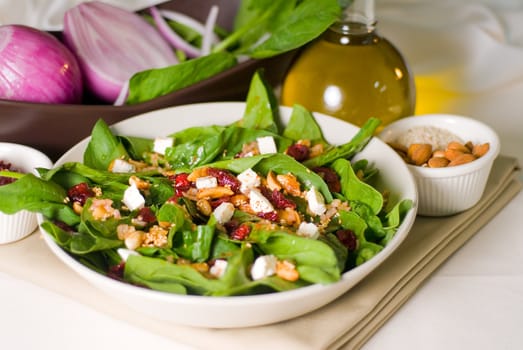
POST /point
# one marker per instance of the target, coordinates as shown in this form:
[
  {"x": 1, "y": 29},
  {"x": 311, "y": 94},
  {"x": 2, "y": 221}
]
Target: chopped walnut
[{"x": 156, "y": 237}]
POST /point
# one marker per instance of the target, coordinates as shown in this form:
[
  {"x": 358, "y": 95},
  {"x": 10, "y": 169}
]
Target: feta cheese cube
[
  {"x": 249, "y": 180},
  {"x": 162, "y": 143},
  {"x": 121, "y": 166},
  {"x": 309, "y": 230},
  {"x": 266, "y": 145},
  {"x": 133, "y": 199},
  {"x": 258, "y": 202},
  {"x": 315, "y": 201},
  {"x": 264, "y": 266},
  {"x": 224, "y": 212},
  {"x": 218, "y": 268},
  {"x": 125, "y": 253},
  {"x": 206, "y": 182}
]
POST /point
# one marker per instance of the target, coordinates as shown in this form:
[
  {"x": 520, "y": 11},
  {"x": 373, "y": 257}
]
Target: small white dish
[
  {"x": 449, "y": 190},
  {"x": 14, "y": 227}
]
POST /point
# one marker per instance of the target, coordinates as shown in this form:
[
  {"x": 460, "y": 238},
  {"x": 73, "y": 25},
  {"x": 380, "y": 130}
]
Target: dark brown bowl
[{"x": 54, "y": 128}]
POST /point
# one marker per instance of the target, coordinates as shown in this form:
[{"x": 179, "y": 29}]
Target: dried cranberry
[
  {"x": 4, "y": 180},
  {"x": 225, "y": 178},
  {"x": 278, "y": 199},
  {"x": 241, "y": 232},
  {"x": 348, "y": 239},
  {"x": 63, "y": 226},
  {"x": 116, "y": 271},
  {"x": 145, "y": 214},
  {"x": 181, "y": 183},
  {"x": 216, "y": 202},
  {"x": 298, "y": 151},
  {"x": 80, "y": 193},
  {"x": 271, "y": 216},
  {"x": 330, "y": 177}
]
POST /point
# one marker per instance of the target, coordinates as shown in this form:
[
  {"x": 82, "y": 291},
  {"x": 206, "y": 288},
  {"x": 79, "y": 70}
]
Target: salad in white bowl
[{"x": 208, "y": 214}]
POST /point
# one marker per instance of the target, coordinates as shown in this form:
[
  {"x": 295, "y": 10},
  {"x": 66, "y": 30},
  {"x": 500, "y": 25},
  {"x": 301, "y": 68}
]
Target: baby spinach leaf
[
  {"x": 283, "y": 164},
  {"x": 103, "y": 147},
  {"x": 153, "y": 83},
  {"x": 261, "y": 110},
  {"x": 356, "y": 190},
  {"x": 291, "y": 30},
  {"x": 365, "y": 250},
  {"x": 303, "y": 126},
  {"x": 349, "y": 149},
  {"x": 315, "y": 260},
  {"x": 37, "y": 195}
]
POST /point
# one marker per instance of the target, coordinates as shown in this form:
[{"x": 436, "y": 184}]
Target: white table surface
[{"x": 474, "y": 301}]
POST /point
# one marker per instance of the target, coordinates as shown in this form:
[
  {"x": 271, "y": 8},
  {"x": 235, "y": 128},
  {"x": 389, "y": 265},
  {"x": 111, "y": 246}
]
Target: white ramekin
[
  {"x": 449, "y": 190},
  {"x": 14, "y": 227}
]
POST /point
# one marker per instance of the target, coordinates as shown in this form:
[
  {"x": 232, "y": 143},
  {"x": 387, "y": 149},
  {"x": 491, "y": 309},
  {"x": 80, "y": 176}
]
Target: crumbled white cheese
[
  {"x": 309, "y": 230},
  {"x": 224, "y": 212},
  {"x": 218, "y": 268},
  {"x": 266, "y": 145},
  {"x": 125, "y": 253},
  {"x": 162, "y": 143},
  {"x": 133, "y": 199},
  {"x": 264, "y": 266},
  {"x": 206, "y": 182},
  {"x": 122, "y": 166},
  {"x": 315, "y": 201},
  {"x": 249, "y": 180},
  {"x": 259, "y": 203}
]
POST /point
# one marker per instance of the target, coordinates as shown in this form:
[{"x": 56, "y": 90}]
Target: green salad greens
[{"x": 240, "y": 209}]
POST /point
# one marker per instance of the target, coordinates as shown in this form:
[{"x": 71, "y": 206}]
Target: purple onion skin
[{"x": 36, "y": 67}]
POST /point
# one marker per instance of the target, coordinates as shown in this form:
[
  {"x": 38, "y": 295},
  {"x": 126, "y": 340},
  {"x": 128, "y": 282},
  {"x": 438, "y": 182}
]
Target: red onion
[
  {"x": 112, "y": 44},
  {"x": 206, "y": 30},
  {"x": 37, "y": 67},
  {"x": 171, "y": 36}
]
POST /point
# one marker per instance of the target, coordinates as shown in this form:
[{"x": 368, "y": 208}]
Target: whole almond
[
  {"x": 438, "y": 162},
  {"x": 464, "y": 158},
  {"x": 419, "y": 153},
  {"x": 458, "y": 146},
  {"x": 480, "y": 150},
  {"x": 438, "y": 153},
  {"x": 452, "y": 154}
]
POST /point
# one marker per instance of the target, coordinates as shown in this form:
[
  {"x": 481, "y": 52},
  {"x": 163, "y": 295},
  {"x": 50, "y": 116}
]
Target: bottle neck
[{"x": 357, "y": 17}]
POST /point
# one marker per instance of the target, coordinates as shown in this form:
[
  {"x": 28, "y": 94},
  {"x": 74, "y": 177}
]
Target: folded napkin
[{"x": 345, "y": 323}]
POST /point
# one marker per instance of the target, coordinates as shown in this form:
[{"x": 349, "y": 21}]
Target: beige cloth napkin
[{"x": 346, "y": 323}]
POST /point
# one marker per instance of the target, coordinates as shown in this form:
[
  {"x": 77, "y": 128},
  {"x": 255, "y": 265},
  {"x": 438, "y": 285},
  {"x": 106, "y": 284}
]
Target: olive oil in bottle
[{"x": 351, "y": 72}]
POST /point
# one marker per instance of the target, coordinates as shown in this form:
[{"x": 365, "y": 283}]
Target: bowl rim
[{"x": 32, "y": 155}]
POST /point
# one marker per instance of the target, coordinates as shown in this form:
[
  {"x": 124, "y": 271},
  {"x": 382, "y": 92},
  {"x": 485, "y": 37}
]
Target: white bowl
[
  {"x": 449, "y": 190},
  {"x": 14, "y": 227},
  {"x": 243, "y": 311}
]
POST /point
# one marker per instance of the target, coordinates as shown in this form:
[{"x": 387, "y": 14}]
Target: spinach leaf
[
  {"x": 356, "y": 190},
  {"x": 307, "y": 21},
  {"x": 303, "y": 126},
  {"x": 262, "y": 110},
  {"x": 365, "y": 250},
  {"x": 349, "y": 149},
  {"x": 153, "y": 83},
  {"x": 267, "y": 28},
  {"x": 37, "y": 195},
  {"x": 315, "y": 260},
  {"x": 103, "y": 147},
  {"x": 283, "y": 164}
]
